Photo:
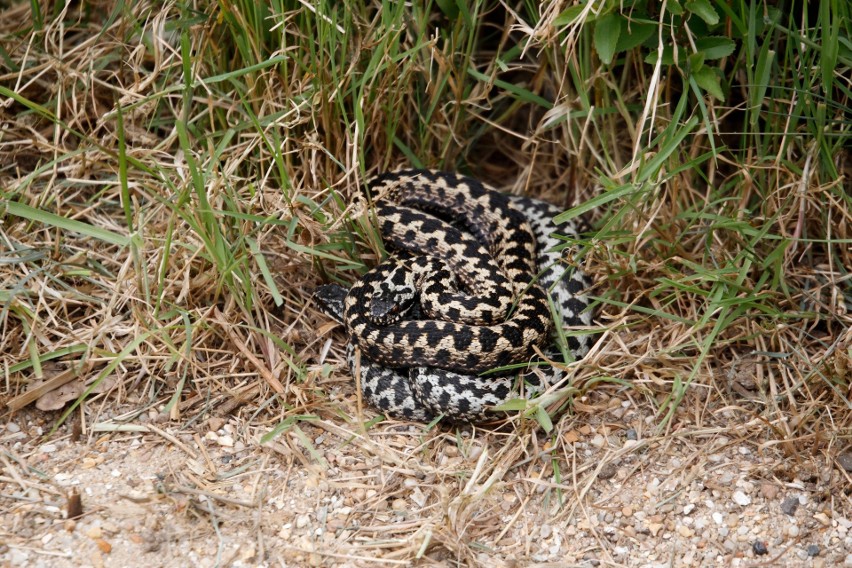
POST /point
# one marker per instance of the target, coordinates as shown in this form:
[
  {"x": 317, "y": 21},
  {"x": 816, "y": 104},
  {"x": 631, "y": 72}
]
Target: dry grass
[{"x": 216, "y": 191}]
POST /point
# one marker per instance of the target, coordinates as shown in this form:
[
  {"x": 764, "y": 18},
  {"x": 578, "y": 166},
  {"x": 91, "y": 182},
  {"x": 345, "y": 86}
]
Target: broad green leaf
[
  {"x": 607, "y": 30},
  {"x": 695, "y": 61},
  {"x": 674, "y": 7},
  {"x": 708, "y": 79},
  {"x": 668, "y": 56},
  {"x": 633, "y": 34},
  {"x": 704, "y": 10},
  {"x": 568, "y": 16},
  {"x": 715, "y": 47}
]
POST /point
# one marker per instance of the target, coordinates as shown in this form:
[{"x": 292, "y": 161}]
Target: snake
[{"x": 418, "y": 337}]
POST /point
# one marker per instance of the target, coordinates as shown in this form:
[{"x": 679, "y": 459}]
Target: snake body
[{"x": 420, "y": 367}]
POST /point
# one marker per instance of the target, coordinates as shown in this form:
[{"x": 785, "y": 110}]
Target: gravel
[
  {"x": 397, "y": 490},
  {"x": 790, "y": 504}
]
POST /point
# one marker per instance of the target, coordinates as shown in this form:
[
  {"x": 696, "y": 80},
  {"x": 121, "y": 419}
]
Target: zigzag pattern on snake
[{"x": 422, "y": 366}]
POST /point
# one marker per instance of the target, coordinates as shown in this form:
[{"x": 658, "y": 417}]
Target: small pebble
[
  {"x": 790, "y": 504},
  {"x": 418, "y": 497},
  {"x": 769, "y": 491},
  {"x": 12, "y": 428},
  {"x": 19, "y": 557},
  {"x": 759, "y": 548},
  {"x": 598, "y": 441},
  {"x": 848, "y": 560},
  {"x": 631, "y": 435},
  {"x": 608, "y": 471},
  {"x": 399, "y": 505},
  {"x": 741, "y": 498},
  {"x": 844, "y": 459},
  {"x": 813, "y": 550}
]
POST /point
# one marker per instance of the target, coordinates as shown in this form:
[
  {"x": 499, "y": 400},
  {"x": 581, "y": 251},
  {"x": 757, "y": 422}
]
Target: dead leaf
[{"x": 56, "y": 399}]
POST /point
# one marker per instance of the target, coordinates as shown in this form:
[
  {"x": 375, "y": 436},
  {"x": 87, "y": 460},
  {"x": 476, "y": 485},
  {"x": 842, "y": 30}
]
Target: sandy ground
[{"x": 601, "y": 490}]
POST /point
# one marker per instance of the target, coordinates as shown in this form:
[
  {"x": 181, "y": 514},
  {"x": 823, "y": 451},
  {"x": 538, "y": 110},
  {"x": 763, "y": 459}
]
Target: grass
[{"x": 177, "y": 178}]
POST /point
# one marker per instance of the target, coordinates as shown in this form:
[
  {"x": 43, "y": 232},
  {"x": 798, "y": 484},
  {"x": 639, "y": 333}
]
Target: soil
[{"x": 602, "y": 489}]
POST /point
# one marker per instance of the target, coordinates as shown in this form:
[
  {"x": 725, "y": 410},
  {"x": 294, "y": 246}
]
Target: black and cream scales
[{"x": 466, "y": 292}]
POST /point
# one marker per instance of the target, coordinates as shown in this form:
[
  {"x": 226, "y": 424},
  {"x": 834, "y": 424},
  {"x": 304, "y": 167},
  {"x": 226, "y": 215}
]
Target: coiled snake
[{"x": 501, "y": 249}]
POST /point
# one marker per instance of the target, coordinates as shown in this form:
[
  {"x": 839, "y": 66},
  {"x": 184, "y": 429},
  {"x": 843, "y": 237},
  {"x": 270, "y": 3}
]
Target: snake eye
[{"x": 386, "y": 310}]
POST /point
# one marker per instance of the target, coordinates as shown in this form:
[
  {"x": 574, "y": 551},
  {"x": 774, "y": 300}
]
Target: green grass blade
[{"x": 40, "y": 216}]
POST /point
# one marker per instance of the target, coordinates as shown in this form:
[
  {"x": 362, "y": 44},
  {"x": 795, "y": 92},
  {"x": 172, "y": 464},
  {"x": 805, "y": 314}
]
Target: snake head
[{"x": 394, "y": 297}]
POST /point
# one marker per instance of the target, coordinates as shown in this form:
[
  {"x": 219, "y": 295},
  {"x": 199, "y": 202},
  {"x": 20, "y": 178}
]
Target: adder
[{"x": 428, "y": 324}]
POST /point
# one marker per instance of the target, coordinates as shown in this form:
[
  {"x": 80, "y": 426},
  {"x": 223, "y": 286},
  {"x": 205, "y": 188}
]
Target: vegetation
[{"x": 177, "y": 177}]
